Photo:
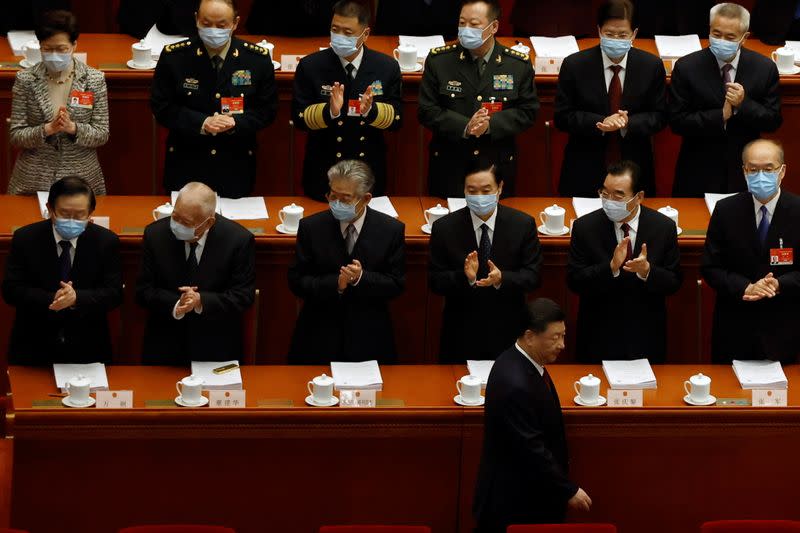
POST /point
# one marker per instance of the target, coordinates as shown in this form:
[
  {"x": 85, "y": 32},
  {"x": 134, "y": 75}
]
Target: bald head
[
  {"x": 763, "y": 149},
  {"x": 195, "y": 207}
]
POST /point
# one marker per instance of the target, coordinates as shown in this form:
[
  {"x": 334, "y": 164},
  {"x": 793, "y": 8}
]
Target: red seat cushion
[{"x": 751, "y": 526}]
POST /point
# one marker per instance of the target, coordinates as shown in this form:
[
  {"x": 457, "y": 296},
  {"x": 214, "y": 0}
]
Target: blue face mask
[
  {"x": 214, "y": 38},
  {"x": 481, "y": 204},
  {"x": 56, "y": 61},
  {"x": 615, "y": 48},
  {"x": 70, "y": 228},
  {"x": 723, "y": 50},
  {"x": 341, "y": 211},
  {"x": 471, "y": 38},
  {"x": 343, "y": 45},
  {"x": 181, "y": 232},
  {"x": 762, "y": 184},
  {"x": 616, "y": 210}
]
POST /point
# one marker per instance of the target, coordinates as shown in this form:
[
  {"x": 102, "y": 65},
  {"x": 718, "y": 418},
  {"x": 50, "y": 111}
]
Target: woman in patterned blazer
[{"x": 59, "y": 113}]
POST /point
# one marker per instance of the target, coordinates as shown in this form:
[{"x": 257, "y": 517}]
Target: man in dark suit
[
  {"x": 350, "y": 263},
  {"x": 171, "y": 17},
  {"x": 214, "y": 93},
  {"x": 346, "y": 96},
  {"x": 303, "y": 18},
  {"x": 611, "y": 99},
  {"x": 475, "y": 97},
  {"x": 63, "y": 275},
  {"x": 749, "y": 259},
  {"x": 623, "y": 262},
  {"x": 523, "y": 475},
  {"x": 197, "y": 278},
  {"x": 484, "y": 259},
  {"x": 776, "y": 21},
  {"x": 418, "y": 17},
  {"x": 721, "y": 98}
]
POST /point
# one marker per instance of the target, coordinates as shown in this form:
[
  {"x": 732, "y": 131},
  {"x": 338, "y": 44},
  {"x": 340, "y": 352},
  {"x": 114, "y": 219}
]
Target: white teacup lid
[
  {"x": 79, "y": 381},
  {"x": 323, "y": 380},
  {"x": 700, "y": 379},
  {"x": 165, "y": 208},
  {"x": 554, "y": 209},
  {"x": 192, "y": 381},
  {"x": 668, "y": 209},
  {"x": 293, "y": 208},
  {"x": 471, "y": 380},
  {"x": 590, "y": 380},
  {"x": 438, "y": 210}
]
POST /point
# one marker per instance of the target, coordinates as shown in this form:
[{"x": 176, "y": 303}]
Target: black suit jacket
[
  {"x": 732, "y": 259},
  {"x": 774, "y": 21},
  {"x": 622, "y": 317},
  {"x": 172, "y": 17},
  {"x": 75, "y": 335},
  {"x": 226, "y": 282},
  {"x": 333, "y": 140},
  {"x": 710, "y": 159},
  {"x": 480, "y": 322},
  {"x": 582, "y": 102},
  {"x": 355, "y": 325},
  {"x": 522, "y": 477},
  {"x": 418, "y": 17}
]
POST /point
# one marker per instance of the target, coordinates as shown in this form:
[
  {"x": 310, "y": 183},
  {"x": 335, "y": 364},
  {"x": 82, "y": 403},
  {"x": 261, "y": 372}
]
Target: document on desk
[
  {"x": 230, "y": 380},
  {"x": 423, "y": 43},
  {"x": 350, "y": 376},
  {"x": 454, "y": 204},
  {"x": 18, "y": 39},
  {"x": 480, "y": 369},
  {"x": 674, "y": 46},
  {"x": 96, "y": 372},
  {"x": 554, "y": 46},
  {"x": 712, "y": 198},
  {"x": 636, "y": 374},
  {"x": 584, "y": 206},
  {"x": 249, "y": 208},
  {"x": 157, "y": 41},
  {"x": 760, "y": 374},
  {"x": 384, "y": 205},
  {"x": 41, "y": 196}
]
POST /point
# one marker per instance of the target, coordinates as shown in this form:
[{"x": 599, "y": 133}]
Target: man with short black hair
[
  {"x": 523, "y": 475},
  {"x": 623, "y": 262},
  {"x": 63, "y": 275}
]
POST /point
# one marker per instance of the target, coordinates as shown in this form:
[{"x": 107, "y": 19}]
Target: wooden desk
[
  {"x": 132, "y": 160},
  {"x": 254, "y": 468}
]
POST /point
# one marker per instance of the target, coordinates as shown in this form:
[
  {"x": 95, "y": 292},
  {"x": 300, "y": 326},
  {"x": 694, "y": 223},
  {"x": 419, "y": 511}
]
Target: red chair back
[
  {"x": 751, "y": 526},
  {"x": 4, "y": 530},
  {"x": 563, "y": 528},
  {"x": 374, "y": 529},
  {"x": 177, "y": 529}
]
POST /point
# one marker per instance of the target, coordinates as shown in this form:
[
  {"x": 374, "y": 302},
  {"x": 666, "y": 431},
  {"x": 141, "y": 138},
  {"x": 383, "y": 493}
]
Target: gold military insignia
[
  {"x": 257, "y": 49},
  {"x": 236, "y": 53},
  {"x": 461, "y": 56},
  {"x": 518, "y": 55},
  {"x": 454, "y": 83},
  {"x": 199, "y": 52},
  {"x": 499, "y": 59},
  {"x": 440, "y": 49},
  {"x": 178, "y": 45}
]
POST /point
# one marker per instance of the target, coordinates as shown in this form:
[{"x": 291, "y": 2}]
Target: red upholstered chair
[
  {"x": 4, "y": 530},
  {"x": 563, "y": 528},
  {"x": 751, "y": 526},
  {"x": 374, "y": 529},
  {"x": 177, "y": 529}
]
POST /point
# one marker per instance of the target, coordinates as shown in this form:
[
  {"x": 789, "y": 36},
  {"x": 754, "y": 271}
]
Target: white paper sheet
[
  {"x": 384, "y": 205},
  {"x": 96, "y": 372},
  {"x": 41, "y": 197},
  {"x": 554, "y": 46},
  {"x": 250, "y": 208},
  {"x": 794, "y": 45},
  {"x": 584, "y": 206},
  {"x": 671, "y": 46},
  {"x": 480, "y": 369},
  {"x": 454, "y": 204},
  {"x": 231, "y": 380},
  {"x": 636, "y": 374},
  {"x": 158, "y": 41},
  {"x": 760, "y": 374},
  {"x": 18, "y": 39},
  {"x": 423, "y": 44},
  {"x": 365, "y": 375},
  {"x": 712, "y": 198}
]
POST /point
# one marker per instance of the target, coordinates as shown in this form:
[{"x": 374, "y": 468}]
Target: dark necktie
[
  {"x": 216, "y": 62},
  {"x": 548, "y": 382},
  {"x": 350, "y": 239},
  {"x": 481, "y": 66},
  {"x": 726, "y": 73},
  {"x": 613, "y": 150},
  {"x": 484, "y": 251},
  {"x": 350, "y": 68},
  {"x": 626, "y": 231},
  {"x": 763, "y": 226},
  {"x": 191, "y": 262},
  {"x": 64, "y": 260}
]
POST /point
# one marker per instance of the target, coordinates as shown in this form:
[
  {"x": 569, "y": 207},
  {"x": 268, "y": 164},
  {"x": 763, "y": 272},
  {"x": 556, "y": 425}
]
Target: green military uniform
[{"x": 452, "y": 91}]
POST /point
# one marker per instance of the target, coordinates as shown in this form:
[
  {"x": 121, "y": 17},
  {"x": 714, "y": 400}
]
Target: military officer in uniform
[
  {"x": 476, "y": 97},
  {"x": 346, "y": 96},
  {"x": 214, "y": 94}
]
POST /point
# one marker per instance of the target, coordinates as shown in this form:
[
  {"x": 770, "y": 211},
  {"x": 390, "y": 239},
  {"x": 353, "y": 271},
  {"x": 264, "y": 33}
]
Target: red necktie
[
  {"x": 613, "y": 150},
  {"x": 626, "y": 230}
]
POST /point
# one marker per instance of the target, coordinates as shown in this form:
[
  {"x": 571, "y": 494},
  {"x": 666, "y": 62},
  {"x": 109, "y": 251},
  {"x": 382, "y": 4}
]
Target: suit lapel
[
  {"x": 776, "y": 226},
  {"x": 596, "y": 81},
  {"x": 230, "y": 64},
  {"x": 629, "y": 87},
  {"x": 643, "y": 233},
  {"x": 714, "y": 80},
  {"x": 491, "y": 68},
  {"x": 41, "y": 93},
  {"x": 363, "y": 236},
  {"x": 468, "y": 232},
  {"x": 466, "y": 68}
]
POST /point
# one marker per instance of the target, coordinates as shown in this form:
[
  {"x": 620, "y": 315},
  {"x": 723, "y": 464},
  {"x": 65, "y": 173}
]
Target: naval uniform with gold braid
[
  {"x": 452, "y": 91},
  {"x": 346, "y": 137},
  {"x": 187, "y": 89}
]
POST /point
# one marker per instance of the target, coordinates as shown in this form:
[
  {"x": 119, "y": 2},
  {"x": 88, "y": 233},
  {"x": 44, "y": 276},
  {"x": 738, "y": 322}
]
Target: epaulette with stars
[
  {"x": 443, "y": 49},
  {"x": 178, "y": 46},
  {"x": 259, "y": 50},
  {"x": 514, "y": 53}
]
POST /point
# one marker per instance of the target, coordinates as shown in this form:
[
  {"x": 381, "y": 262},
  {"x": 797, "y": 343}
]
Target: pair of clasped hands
[
  {"x": 61, "y": 122},
  {"x": 337, "y": 100},
  {"x": 471, "y": 264},
  {"x": 766, "y": 287}
]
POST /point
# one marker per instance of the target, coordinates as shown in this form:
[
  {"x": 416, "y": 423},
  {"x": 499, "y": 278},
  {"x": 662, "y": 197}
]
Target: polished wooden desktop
[{"x": 663, "y": 468}]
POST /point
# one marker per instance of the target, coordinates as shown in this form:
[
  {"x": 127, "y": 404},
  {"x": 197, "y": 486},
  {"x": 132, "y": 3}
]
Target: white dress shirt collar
[
  {"x": 734, "y": 63},
  {"x": 632, "y": 223},
  {"x": 357, "y": 224},
  {"x": 539, "y": 368},
  {"x": 201, "y": 244},
  {"x": 769, "y": 205},
  {"x": 607, "y": 63},
  {"x": 477, "y": 221},
  {"x": 59, "y": 238},
  {"x": 356, "y": 62}
]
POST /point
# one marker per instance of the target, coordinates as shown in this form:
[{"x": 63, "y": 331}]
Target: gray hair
[
  {"x": 354, "y": 171},
  {"x": 776, "y": 145},
  {"x": 200, "y": 194},
  {"x": 731, "y": 11}
]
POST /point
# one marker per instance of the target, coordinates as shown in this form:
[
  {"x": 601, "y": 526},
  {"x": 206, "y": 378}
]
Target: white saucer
[
  {"x": 711, "y": 400},
  {"x": 680, "y": 230},
  {"x": 276, "y": 65},
  {"x": 69, "y": 403},
  {"x": 24, "y": 63},
  {"x": 426, "y": 228},
  {"x": 134, "y": 66},
  {"x": 601, "y": 400},
  {"x": 281, "y": 229},
  {"x": 459, "y": 401},
  {"x": 795, "y": 70},
  {"x": 203, "y": 401},
  {"x": 415, "y": 69},
  {"x": 310, "y": 401},
  {"x": 544, "y": 230}
]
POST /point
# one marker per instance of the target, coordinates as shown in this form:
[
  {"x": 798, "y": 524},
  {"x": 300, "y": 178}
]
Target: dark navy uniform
[
  {"x": 187, "y": 90},
  {"x": 346, "y": 137},
  {"x": 451, "y": 92}
]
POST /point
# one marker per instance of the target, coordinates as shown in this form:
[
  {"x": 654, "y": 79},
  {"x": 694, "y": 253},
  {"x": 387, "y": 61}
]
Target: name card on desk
[
  {"x": 357, "y": 398},
  {"x": 770, "y": 397},
  {"x": 226, "y": 399},
  {"x": 547, "y": 65},
  {"x": 625, "y": 398},
  {"x": 114, "y": 399},
  {"x": 289, "y": 62}
]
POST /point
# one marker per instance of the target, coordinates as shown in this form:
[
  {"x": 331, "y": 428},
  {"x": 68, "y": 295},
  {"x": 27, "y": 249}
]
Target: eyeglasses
[
  {"x": 344, "y": 198},
  {"x": 56, "y": 49},
  {"x": 625, "y": 36},
  {"x": 769, "y": 168},
  {"x": 602, "y": 193}
]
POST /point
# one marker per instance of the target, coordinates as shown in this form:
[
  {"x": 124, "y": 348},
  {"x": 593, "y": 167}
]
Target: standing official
[
  {"x": 484, "y": 259},
  {"x": 749, "y": 259},
  {"x": 611, "y": 100},
  {"x": 475, "y": 97},
  {"x": 623, "y": 262},
  {"x": 523, "y": 475},
  {"x": 721, "y": 98},
  {"x": 346, "y": 96},
  {"x": 214, "y": 96}
]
